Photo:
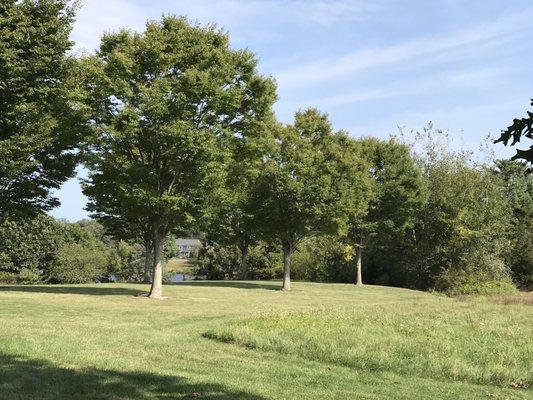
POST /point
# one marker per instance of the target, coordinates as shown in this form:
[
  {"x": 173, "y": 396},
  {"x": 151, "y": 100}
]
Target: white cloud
[
  {"x": 348, "y": 64},
  {"x": 246, "y": 20},
  {"x": 98, "y": 16}
]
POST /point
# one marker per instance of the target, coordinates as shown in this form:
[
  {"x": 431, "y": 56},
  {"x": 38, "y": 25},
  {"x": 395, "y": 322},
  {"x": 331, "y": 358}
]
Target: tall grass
[{"x": 461, "y": 341}]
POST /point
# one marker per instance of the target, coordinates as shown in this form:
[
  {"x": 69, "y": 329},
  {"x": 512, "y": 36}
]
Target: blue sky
[{"x": 372, "y": 66}]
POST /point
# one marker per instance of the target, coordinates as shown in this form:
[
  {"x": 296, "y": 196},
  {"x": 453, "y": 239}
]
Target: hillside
[{"x": 246, "y": 340}]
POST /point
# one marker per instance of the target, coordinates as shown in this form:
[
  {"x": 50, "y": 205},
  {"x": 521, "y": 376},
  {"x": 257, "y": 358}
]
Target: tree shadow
[
  {"x": 60, "y": 289},
  {"x": 231, "y": 284},
  {"x": 22, "y": 378}
]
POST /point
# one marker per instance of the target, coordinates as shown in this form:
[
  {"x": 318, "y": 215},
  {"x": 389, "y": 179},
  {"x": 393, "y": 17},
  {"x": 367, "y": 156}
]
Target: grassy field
[{"x": 245, "y": 340}]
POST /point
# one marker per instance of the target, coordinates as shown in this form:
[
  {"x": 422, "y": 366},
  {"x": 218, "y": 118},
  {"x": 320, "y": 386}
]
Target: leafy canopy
[
  {"x": 41, "y": 116},
  {"x": 166, "y": 101}
]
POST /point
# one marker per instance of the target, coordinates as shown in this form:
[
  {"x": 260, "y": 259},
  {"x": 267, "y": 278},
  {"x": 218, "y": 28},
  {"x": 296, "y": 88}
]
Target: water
[{"x": 180, "y": 278}]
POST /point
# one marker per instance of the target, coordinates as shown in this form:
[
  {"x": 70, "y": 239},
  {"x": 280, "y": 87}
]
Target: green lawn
[{"x": 244, "y": 340}]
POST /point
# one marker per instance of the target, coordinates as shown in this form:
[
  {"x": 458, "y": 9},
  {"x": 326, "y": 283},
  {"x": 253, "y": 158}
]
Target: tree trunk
[
  {"x": 147, "y": 260},
  {"x": 244, "y": 261},
  {"x": 156, "y": 291},
  {"x": 287, "y": 252},
  {"x": 359, "y": 275}
]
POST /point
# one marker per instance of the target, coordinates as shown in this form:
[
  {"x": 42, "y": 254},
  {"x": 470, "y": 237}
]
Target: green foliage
[
  {"x": 28, "y": 247},
  {"x": 474, "y": 282},
  {"x": 466, "y": 218},
  {"x": 41, "y": 116},
  {"x": 170, "y": 248},
  {"x": 128, "y": 262},
  {"x": 324, "y": 259},
  {"x": 165, "y": 103},
  {"x": 518, "y": 186},
  {"x": 83, "y": 255},
  {"x": 308, "y": 181},
  {"x": 399, "y": 192},
  {"x": 78, "y": 263},
  {"x": 520, "y": 128},
  {"x": 42, "y": 249},
  {"x": 216, "y": 261}
]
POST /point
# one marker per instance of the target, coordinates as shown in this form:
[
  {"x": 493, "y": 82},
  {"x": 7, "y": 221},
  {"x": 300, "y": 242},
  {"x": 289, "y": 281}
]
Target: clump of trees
[
  {"x": 177, "y": 131},
  {"x": 45, "y": 250}
]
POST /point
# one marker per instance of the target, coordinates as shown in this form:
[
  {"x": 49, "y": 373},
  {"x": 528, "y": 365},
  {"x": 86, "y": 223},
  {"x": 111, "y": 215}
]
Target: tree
[
  {"x": 301, "y": 190},
  {"x": 462, "y": 232},
  {"x": 28, "y": 247},
  {"x": 165, "y": 103},
  {"x": 518, "y": 186},
  {"x": 397, "y": 195},
  {"x": 235, "y": 222},
  {"x": 41, "y": 116},
  {"x": 519, "y": 129}
]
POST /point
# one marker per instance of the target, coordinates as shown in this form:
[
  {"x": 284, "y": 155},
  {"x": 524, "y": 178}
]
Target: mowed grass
[{"x": 319, "y": 341}]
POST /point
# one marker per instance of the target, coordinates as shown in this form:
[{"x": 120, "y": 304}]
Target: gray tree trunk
[
  {"x": 287, "y": 252},
  {"x": 156, "y": 291},
  {"x": 359, "y": 273},
  {"x": 244, "y": 261}
]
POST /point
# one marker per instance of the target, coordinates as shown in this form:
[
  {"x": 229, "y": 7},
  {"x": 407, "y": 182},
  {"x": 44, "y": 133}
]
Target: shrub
[
  {"x": 264, "y": 263},
  {"x": 78, "y": 263},
  {"x": 27, "y": 247},
  {"x": 28, "y": 276},
  {"x": 463, "y": 282},
  {"x": 217, "y": 262}
]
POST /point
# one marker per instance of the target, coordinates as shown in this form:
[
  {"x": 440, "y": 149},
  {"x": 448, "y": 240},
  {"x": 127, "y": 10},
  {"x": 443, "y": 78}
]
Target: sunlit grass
[
  {"x": 319, "y": 341},
  {"x": 446, "y": 340}
]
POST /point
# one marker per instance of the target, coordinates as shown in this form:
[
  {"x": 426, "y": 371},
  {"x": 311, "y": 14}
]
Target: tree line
[{"x": 177, "y": 131}]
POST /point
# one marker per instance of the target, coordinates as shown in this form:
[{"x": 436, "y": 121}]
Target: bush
[
  {"x": 8, "y": 277},
  {"x": 462, "y": 282},
  {"x": 264, "y": 263},
  {"x": 28, "y": 247},
  {"x": 78, "y": 263},
  {"x": 217, "y": 262},
  {"x": 28, "y": 276}
]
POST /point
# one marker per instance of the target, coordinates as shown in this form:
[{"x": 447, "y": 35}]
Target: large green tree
[
  {"x": 40, "y": 110},
  {"x": 235, "y": 222},
  {"x": 307, "y": 184},
  {"x": 166, "y": 102},
  {"x": 518, "y": 185},
  {"x": 396, "y": 196},
  {"x": 462, "y": 232}
]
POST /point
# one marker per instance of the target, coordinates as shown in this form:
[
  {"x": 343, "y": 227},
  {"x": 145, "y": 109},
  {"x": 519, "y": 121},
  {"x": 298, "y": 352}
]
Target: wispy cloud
[
  {"x": 244, "y": 19},
  {"x": 363, "y": 59},
  {"x": 437, "y": 83}
]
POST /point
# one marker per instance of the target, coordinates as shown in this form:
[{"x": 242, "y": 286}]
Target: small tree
[
  {"x": 165, "y": 103},
  {"x": 306, "y": 184}
]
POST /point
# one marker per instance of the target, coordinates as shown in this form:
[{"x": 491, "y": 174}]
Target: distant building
[{"x": 187, "y": 248}]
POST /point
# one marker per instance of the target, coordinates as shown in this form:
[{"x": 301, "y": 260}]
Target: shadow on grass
[
  {"x": 232, "y": 284},
  {"x": 60, "y": 289},
  {"x": 22, "y": 378}
]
